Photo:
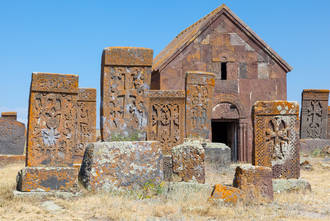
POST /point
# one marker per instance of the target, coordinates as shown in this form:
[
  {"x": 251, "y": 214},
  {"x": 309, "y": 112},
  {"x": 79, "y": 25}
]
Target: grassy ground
[{"x": 193, "y": 206}]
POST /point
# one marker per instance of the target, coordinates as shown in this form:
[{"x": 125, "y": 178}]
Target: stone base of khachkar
[
  {"x": 125, "y": 165},
  {"x": 47, "y": 179}
]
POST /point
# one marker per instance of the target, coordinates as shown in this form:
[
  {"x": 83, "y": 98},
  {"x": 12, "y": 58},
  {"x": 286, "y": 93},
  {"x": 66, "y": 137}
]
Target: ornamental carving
[
  {"x": 52, "y": 125},
  {"x": 124, "y": 109},
  {"x": 199, "y": 95},
  {"x": 276, "y": 137},
  {"x": 314, "y": 114},
  {"x": 166, "y": 120}
]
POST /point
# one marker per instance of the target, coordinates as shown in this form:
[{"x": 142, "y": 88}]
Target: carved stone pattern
[
  {"x": 52, "y": 126},
  {"x": 54, "y": 82},
  {"x": 314, "y": 118},
  {"x": 124, "y": 104}
]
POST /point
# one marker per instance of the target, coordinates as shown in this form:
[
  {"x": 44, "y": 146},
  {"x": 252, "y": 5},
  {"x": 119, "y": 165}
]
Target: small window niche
[{"x": 223, "y": 70}]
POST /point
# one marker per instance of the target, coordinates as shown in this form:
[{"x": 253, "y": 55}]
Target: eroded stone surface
[
  {"x": 111, "y": 166},
  {"x": 291, "y": 185},
  {"x": 86, "y": 122},
  {"x": 217, "y": 155},
  {"x": 199, "y": 95},
  {"x": 52, "y": 119},
  {"x": 276, "y": 137},
  {"x": 125, "y": 76},
  {"x": 188, "y": 162},
  {"x": 12, "y": 137},
  {"x": 255, "y": 181},
  {"x": 45, "y": 179},
  {"x": 166, "y": 118},
  {"x": 226, "y": 193},
  {"x": 314, "y": 114}
]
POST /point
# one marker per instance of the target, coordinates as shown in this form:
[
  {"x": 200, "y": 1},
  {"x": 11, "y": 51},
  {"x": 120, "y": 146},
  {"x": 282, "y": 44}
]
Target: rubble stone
[
  {"x": 226, "y": 193},
  {"x": 217, "y": 155},
  {"x": 109, "y": 166},
  {"x": 188, "y": 162},
  {"x": 255, "y": 181}
]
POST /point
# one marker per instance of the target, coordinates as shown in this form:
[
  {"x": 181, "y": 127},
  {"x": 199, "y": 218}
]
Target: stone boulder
[
  {"x": 255, "y": 181},
  {"x": 109, "y": 166},
  {"x": 226, "y": 193},
  {"x": 188, "y": 162}
]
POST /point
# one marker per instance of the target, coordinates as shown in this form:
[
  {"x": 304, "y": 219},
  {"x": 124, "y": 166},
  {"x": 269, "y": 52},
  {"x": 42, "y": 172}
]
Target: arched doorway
[{"x": 228, "y": 125}]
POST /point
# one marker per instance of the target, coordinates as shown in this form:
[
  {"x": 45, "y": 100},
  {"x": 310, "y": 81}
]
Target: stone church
[{"x": 246, "y": 68}]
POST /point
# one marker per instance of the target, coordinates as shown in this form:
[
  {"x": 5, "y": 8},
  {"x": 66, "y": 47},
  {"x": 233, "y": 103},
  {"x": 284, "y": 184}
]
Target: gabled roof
[{"x": 180, "y": 42}]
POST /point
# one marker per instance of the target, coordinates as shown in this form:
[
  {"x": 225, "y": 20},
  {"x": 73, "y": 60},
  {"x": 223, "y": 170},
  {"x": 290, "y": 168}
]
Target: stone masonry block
[
  {"x": 111, "y": 166},
  {"x": 45, "y": 179},
  {"x": 12, "y": 137},
  {"x": 255, "y": 181},
  {"x": 188, "y": 162}
]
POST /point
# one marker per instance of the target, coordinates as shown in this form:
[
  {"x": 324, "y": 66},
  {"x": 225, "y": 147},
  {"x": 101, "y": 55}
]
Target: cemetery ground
[{"x": 146, "y": 205}]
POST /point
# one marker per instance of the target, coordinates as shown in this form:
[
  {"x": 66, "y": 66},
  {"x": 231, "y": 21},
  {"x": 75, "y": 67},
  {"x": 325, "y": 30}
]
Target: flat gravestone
[
  {"x": 199, "y": 95},
  {"x": 86, "y": 120},
  {"x": 314, "y": 114},
  {"x": 276, "y": 137},
  {"x": 12, "y": 135},
  {"x": 125, "y": 76},
  {"x": 51, "y": 134},
  {"x": 166, "y": 118}
]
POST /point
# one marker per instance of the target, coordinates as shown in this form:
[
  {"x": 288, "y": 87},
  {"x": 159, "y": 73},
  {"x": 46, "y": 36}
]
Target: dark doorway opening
[{"x": 225, "y": 131}]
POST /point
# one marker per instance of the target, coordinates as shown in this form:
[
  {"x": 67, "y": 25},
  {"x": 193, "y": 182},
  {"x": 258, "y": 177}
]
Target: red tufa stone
[
  {"x": 255, "y": 181},
  {"x": 188, "y": 162}
]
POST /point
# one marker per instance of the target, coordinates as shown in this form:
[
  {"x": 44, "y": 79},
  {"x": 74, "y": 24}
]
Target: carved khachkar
[
  {"x": 12, "y": 135},
  {"x": 166, "y": 118},
  {"x": 125, "y": 76},
  {"x": 314, "y": 114},
  {"x": 199, "y": 95},
  {"x": 52, "y": 119},
  {"x": 276, "y": 137},
  {"x": 86, "y": 122},
  {"x": 52, "y": 127}
]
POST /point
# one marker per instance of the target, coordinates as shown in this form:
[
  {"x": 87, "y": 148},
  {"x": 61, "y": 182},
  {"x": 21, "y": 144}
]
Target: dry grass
[{"x": 193, "y": 206}]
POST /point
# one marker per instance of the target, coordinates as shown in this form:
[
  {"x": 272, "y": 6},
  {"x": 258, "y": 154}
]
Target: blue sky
[{"x": 68, "y": 37}]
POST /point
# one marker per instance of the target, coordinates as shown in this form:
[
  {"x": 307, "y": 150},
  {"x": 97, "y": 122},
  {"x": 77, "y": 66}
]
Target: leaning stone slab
[
  {"x": 291, "y": 185},
  {"x": 111, "y": 166},
  {"x": 217, "y": 155},
  {"x": 255, "y": 181},
  {"x": 188, "y": 162},
  {"x": 45, "y": 179}
]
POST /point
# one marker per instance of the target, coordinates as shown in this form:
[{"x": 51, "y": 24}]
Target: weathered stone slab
[
  {"x": 9, "y": 115},
  {"x": 255, "y": 181},
  {"x": 12, "y": 137},
  {"x": 52, "y": 120},
  {"x": 226, "y": 193},
  {"x": 86, "y": 120},
  {"x": 44, "y": 179},
  {"x": 314, "y": 114},
  {"x": 217, "y": 155},
  {"x": 188, "y": 162},
  {"x": 276, "y": 137},
  {"x": 199, "y": 95},
  {"x": 125, "y": 76},
  {"x": 111, "y": 166},
  {"x": 166, "y": 118},
  {"x": 291, "y": 185},
  {"x": 308, "y": 146}
]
